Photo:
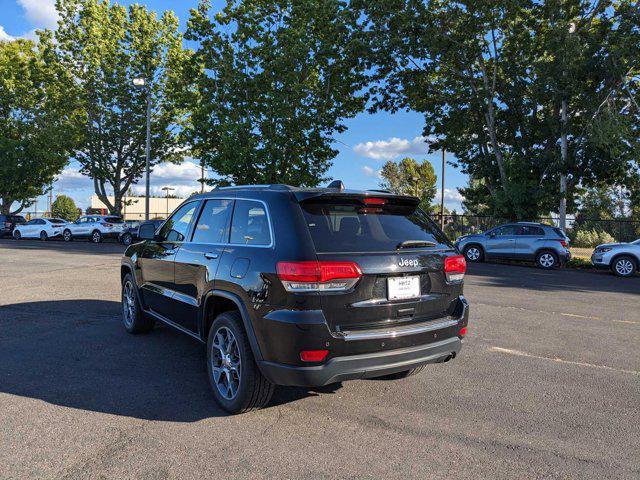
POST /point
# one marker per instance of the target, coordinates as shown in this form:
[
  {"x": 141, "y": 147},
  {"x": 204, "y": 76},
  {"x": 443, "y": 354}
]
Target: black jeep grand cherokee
[{"x": 299, "y": 286}]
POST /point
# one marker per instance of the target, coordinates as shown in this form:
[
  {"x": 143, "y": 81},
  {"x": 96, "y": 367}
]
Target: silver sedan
[{"x": 622, "y": 258}]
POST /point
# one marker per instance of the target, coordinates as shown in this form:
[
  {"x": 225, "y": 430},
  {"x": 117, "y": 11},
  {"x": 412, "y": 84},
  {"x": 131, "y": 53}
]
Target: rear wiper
[{"x": 415, "y": 244}]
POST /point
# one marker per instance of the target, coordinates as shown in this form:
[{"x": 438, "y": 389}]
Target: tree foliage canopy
[
  {"x": 106, "y": 46},
  {"x": 275, "y": 79},
  {"x": 408, "y": 177},
  {"x": 64, "y": 207},
  {"x": 490, "y": 77},
  {"x": 36, "y": 121}
]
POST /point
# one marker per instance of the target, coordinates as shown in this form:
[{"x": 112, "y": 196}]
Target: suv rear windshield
[
  {"x": 113, "y": 220},
  {"x": 350, "y": 226}
]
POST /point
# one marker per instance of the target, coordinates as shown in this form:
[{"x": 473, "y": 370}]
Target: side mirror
[{"x": 147, "y": 231}]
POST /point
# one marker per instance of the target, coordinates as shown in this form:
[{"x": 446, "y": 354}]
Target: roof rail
[{"x": 275, "y": 186}]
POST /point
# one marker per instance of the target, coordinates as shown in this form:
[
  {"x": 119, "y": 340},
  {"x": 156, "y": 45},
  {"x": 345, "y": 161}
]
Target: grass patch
[{"x": 578, "y": 262}]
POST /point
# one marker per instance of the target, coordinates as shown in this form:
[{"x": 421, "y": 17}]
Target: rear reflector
[
  {"x": 313, "y": 355},
  {"x": 455, "y": 268},
  {"x": 463, "y": 331},
  {"x": 318, "y": 276}
]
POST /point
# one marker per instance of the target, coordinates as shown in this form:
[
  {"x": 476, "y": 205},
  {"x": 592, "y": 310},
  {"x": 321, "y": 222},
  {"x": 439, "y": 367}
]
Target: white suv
[{"x": 94, "y": 227}]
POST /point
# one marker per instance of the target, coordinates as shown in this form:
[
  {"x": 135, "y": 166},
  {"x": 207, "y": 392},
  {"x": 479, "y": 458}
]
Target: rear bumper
[{"x": 367, "y": 365}]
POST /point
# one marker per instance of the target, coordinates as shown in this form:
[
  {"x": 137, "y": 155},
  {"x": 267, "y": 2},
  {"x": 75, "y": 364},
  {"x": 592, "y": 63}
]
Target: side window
[
  {"x": 506, "y": 231},
  {"x": 212, "y": 224},
  {"x": 40, "y": 222},
  {"x": 175, "y": 229},
  {"x": 250, "y": 225},
  {"x": 31, "y": 222},
  {"x": 531, "y": 231}
]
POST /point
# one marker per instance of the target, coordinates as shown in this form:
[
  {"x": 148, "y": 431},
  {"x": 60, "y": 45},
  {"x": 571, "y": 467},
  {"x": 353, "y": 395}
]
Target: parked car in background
[
  {"x": 94, "y": 227},
  {"x": 299, "y": 286},
  {"x": 42, "y": 228},
  {"x": 622, "y": 258},
  {"x": 9, "y": 222},
  {"x": 130, "y": 233},
  {"x": 545, "y": 245}
]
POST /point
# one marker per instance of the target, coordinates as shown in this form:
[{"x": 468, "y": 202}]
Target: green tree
[
  {"x": 275, "y": 80},
  {"x": 36, "y": 134},
  {"x": 491, "y": 79},
  {"x": 408, "y": 177},
  {"x": 64, "y": 207},
  {"x": 106, "y": 46}
]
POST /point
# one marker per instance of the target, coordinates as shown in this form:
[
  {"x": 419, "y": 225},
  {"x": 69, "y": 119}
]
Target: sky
[{"x": 369, "y": 141}]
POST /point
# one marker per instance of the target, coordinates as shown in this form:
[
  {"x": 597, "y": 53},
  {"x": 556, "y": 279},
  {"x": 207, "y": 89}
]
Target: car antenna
[{"x": 336, "y": 184}]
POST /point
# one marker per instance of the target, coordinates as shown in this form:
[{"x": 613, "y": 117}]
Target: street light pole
[
  {"x": 142, "y": 83},
  {"x": 167, "y": 189}
]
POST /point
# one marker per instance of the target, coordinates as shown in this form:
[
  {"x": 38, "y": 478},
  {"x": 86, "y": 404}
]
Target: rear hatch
[{"x": 399, "y": 250}]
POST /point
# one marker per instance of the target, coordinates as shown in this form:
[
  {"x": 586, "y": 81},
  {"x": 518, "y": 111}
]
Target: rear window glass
[
  {"x": 114, "y": 220},
  {"x": 57, "y": 221},
  {"x": 353, "y": 227}
]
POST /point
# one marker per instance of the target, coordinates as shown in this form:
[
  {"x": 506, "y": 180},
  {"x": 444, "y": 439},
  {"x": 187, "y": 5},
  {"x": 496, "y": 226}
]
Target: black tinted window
[
  {"x": 113, "y": 220},
  {"x": 530, "y": 230},
  {"x": 212, "y": 224},
  {"x": 57, "y": 221},
  {"x": 505, "y": 231},
  {"x": 353, "y": 227},
  {"x": 250, "y": 225},
  {"x": 175, "y": 229}
]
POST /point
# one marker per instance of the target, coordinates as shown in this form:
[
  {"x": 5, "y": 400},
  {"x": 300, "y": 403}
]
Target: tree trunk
[{"x": 563, "y": 177}]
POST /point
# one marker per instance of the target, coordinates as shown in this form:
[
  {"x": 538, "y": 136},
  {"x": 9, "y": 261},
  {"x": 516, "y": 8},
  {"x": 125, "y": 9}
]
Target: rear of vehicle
[
  {"x": 9, "y": 222},
  {"x": 55, "y": 227},
  {"x": 111, "y": 227},
  {"x": 546, "y": 245},
  {"x": 380, "y": 293}
]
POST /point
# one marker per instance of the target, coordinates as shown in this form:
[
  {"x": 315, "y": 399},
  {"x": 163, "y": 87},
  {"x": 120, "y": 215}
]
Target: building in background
[{"x": 133, "y": 208}]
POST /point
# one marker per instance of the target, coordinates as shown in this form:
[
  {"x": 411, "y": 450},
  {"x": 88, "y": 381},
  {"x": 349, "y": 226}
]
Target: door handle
[{"x": 211, "y": 255}]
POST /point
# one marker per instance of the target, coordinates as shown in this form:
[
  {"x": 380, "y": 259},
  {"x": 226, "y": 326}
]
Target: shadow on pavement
[
  {"x": 80, "y": 245},
  {"x": 76, "y": 353},
  {"x": 562, "y": 279}
]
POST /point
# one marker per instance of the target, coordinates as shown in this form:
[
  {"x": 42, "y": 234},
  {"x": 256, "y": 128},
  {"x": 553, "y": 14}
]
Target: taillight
[
  {"x": 563, "y": 243},
  {"x": 108, "y": 225},
  {"x": 455, "y": 268},
  {"x": 463, "y": 331},
  {"x": 374, "y": 201},
  {"x": 318, "y": 276},
  {"x": 313, "y": 355}
]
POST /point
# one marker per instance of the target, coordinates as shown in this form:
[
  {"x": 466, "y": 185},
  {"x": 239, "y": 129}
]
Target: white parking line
[{"x": 518, "y": 353}]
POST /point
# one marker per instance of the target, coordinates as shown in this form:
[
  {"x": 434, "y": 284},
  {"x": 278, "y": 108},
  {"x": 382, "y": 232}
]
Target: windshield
[{"x": 350, "y": 226}]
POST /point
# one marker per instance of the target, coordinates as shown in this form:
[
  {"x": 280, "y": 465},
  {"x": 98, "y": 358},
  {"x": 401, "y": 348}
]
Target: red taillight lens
[
  {"x": 374, "y": 201},
  {"x": 455, "y": 268},
  {"x": 563, "y": 243},
  {"x": 106, "y": 225},
  {"x": 314, "y": 275},
  {"x": 463, "y": 331},
  {"x": 313, "y": 355}
]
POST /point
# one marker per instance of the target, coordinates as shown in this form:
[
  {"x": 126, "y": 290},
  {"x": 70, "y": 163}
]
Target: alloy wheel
[
  {"x": 43, "y": 235},
  {"x": 473, "y": 254},
  {"x": 624, "y": 267},
  {"x": 226, "y": 363},
  {"x": 95, "y": 237},
  {"x": 66, "y": 236},
  {"x": 547, "y": 260},
  {"x": 128, "y": 304}
]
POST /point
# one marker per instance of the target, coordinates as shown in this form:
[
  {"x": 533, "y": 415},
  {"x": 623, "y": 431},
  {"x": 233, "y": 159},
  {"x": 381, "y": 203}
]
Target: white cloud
[
  {"x": 392, "y": 148},
  {"x": 41, "y": 13},
  {"x": 450, "y": 196},
  {"x": 4, "y": 36},
  {"x": 370, "y": 172}
]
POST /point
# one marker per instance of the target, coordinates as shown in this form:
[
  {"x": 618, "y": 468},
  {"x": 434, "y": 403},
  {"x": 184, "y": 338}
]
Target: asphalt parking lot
[{"x": 547, "y": 386}]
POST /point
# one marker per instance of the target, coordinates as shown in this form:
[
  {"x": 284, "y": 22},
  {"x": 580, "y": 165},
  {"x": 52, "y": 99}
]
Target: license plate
[{"x": 403, "y": 287}]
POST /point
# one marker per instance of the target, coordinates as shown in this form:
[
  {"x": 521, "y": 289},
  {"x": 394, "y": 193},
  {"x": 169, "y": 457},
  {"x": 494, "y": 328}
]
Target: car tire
[
  {"x": 404, "y": 373},
  {"x": 474, "y": 253},
  {"x": 624, "y": 266},
  {"x": 67, "y": 236},
  {"x": 547, "y": 260},
  {"x": 17, "y": 235},
  {"x": 43, "y": 236},
  {"x": 96, "y": 236},
  {"x": 126, "y": 239},
  {"x": 134, "y": 319},
  {"x": 237, "y": 383}
]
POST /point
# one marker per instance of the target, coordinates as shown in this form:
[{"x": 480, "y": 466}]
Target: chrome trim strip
[
  {"x": 184, "y": 298},
  {"x": 350, "y": 336},
  {"x": 385, "y": 301},
  {"x": 171, "y": 323}
]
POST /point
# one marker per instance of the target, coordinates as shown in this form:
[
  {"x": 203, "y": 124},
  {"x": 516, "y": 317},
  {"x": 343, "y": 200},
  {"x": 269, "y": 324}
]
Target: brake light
[
  {"x": 313, "y": 355},
  {"x": 463, "y": 331},
  {"x": 318, "y": 276},
  {"x": 563, "y": 243},
  {"x": 374, "y": 201},
  {"x": 108, "y": 225},
  {"x": 454, "y": 268}
]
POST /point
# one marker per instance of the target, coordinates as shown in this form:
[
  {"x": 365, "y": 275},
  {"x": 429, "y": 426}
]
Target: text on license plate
[{"x": 403, "y": 287}]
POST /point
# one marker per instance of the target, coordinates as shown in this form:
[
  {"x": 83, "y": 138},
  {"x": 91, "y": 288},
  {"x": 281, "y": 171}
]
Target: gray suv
[{"x": 545, "y": 245}]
